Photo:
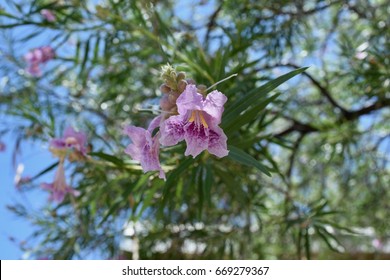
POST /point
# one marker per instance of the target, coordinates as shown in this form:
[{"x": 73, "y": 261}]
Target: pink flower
[
  {"x": 145, "y": 147},
  {"x": 48, "y": 15},
  {"x": 36, "y": 57},
  {"x": 2, "y": 146},
  {"x": 59, "y": 188},
  {"x": 197, "y": 123},
  {"x": 70, "y": 140},
  {"x": 21, "y": 181}
]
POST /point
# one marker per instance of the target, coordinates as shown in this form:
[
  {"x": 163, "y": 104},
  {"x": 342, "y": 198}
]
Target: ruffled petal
[
  {"x": 190, "y": 99},
  {"x": 172, "y": 130},
  {"x": 196, "y": 137},
  {"x": 144, "y": 148},
  {"x": 57, "y": 143},
  {"x": 217, "y": 142},
  {"x": 155, "y": 123},
  {"x": 136, "y": 134},
  {"x": 80, "y": 137},
  {"x": 213, "y": 105}
]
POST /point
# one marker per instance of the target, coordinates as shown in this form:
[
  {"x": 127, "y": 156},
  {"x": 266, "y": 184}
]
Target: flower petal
[
  {"x": 136, "y": 134},
  {"x": 213, "y": 105},
  {"x": 196, "y": 137},
  {"x": 155, "y": 123},
  {"x": 217, "y": 142},
  {"x": 172, "y": 131},
  {"x": 190, "y": 99},
  {"x": 144, "y": 149},
  {"x": 57, "y": 143},
  {"x": 79, "y": 136}
]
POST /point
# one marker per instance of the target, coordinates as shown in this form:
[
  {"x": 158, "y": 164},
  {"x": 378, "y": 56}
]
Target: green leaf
[
  {"x": 254, "y": 98},
  {"x": 175, "y": 174},
  {"x": 45, "y": 170},
  {"x": 86, "y": 56},
  {"x": 4, "y": 13},
  {"x": 240, "y": 156},
  {"x": 250, "y": 114},
  {"x": 116, "y": 161}
]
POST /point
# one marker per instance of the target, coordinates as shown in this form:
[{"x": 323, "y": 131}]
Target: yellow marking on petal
[
  {"x": 203, "y": 120},
  {"x": 192, "y": 119},
  {"x": 197, "y": 116}
]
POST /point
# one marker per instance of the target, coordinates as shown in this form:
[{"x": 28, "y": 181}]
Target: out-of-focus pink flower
[
  {"x": 48, "y": 15},
  {"x": 197, "y": 123},
  {"x": 21, "y": 181},
  {"x": 2, "y": 146},
  {"x": 145, "y": 147},
  {"x": 59, "y": 188},
  {"x": 36, "y": 57},
  {"x": 70, "y": 140},
  {"x": 377, "y": 243}
]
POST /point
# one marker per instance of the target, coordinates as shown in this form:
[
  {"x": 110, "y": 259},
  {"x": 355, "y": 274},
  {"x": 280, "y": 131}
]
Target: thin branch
[
  {"x": 324, "y": 91},
  {"x": 212, "y": 22},
  {"x": 347, "y": 114},
  {"x": 297, "y": 127}
]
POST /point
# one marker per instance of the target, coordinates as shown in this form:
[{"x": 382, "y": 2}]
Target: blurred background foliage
[{"x": 323, "y": 135}]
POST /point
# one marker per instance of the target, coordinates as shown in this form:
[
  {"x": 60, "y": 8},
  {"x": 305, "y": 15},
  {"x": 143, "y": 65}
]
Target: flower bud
[
  {"x": 168, "y": 72},
  {"x": 201, "y": 89},
  {"x": 181, "y": 76},
  {"x": 172, "y": 97},
  {"x": 190, "y": 81},
  {"x": 165, "y": 89},
  {"x": 181, "y": 86},
  {"x": 165, "y": 104},
  {"x": 171, "y": 84}
]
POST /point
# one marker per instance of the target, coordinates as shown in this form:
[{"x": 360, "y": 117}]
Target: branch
[
  {"x": 212, "y": 22},
  {"x": 379, "y": 104},
  {"x": 347, "y": 114},
  {"x": 324, "y": 91},
  {"x": 297, "y": 127}
]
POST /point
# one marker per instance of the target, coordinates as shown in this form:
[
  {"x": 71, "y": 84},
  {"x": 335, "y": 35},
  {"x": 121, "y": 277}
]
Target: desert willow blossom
[
  {"x": 188, "y": 114},
  {"x": 72, "y": 145}
]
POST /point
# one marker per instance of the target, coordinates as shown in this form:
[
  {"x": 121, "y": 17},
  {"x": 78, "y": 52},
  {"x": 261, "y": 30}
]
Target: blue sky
[{"x": 34, "y": 158}]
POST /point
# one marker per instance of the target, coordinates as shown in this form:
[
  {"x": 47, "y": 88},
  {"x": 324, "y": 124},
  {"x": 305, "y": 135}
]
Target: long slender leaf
[{"x": 240, "y": 156}]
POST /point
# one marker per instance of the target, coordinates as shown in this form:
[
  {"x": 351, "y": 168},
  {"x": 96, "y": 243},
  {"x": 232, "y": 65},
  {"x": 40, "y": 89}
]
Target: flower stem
[{"x": 221, "y": 81}]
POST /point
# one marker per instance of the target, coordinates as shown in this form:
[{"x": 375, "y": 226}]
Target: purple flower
[
  {"x": 21, "y": 181},
  {"x": 36, "y": 57},
  {"x": 48, "y": 15},
  {"x": 145, "y": 147},
  {"x": 197, "y": 123},
  {"x": 59, "y": 188},
  {"x": 2, "y": 146},
  {"x": 70, "y": 140}
]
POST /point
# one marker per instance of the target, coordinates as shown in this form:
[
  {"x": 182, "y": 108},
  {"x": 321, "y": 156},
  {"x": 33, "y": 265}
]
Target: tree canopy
[{"x": 306, "y": 121}]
